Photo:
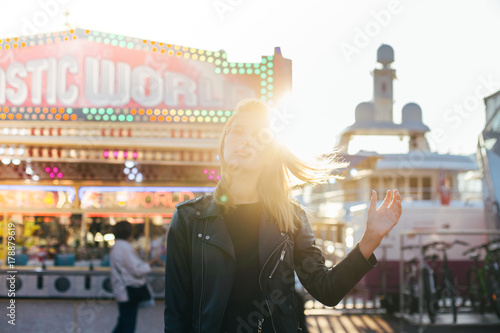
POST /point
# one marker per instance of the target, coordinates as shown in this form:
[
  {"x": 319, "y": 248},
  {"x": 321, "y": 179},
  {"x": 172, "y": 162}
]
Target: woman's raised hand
[{"x": 380, "y": 221}]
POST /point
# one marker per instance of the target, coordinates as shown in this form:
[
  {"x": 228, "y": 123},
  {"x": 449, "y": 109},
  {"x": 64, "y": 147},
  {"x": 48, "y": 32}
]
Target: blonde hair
[{"x": 274, "y": 184}]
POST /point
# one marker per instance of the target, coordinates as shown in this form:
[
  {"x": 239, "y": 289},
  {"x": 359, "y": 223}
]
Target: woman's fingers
[
  {"x": 396, "y": 203},
  {"x": 387, "y": 199}
]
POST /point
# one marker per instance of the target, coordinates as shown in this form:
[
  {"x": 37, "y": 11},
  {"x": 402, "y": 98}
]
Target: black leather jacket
[{"x": 200, "y": 269}]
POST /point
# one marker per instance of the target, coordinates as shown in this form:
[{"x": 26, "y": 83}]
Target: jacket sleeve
[
  {"x": 327, "y": 285},
  {"x": 178, "y": 287}
]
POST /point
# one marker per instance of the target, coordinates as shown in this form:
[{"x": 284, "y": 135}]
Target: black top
[{"x": 246, "y": 304}]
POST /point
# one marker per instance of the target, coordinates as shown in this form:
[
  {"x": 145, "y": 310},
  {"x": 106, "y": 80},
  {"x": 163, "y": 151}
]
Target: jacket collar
[{"x": 269, "y": 234}]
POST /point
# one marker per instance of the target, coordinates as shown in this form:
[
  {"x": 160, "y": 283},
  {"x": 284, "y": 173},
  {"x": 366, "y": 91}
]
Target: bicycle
[
  {"x": 411, "y": 291},
  {"x": 483, "y": 282},
  {"x": 446, "y": 293}
]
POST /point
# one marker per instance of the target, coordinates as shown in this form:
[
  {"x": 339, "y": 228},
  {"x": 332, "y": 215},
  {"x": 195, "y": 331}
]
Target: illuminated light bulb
[
  {"x": 205, "y": 171},
  {"x": 2, "y": 151},
  {"x": 129, "y": 164},
  {"x": 115, "y": 153},
  {"x": 47, "y": 169},
  {"x": 354, "y": 172},
  {"x": 108, "y": 237},
  {"x": 11, "y": 151},
  {"x": 55, "y": 169},
  {"x": 35, "y": 178},
  {"x": 20, "y": 151},
  {"x": 52, "y": 175},
  {"x": 135, "y": 171},
  {"x": 14, "y": 131},
  {"x": 139, "y": 178},
  {"x": 60, "y": 175},
  {"x": 210, "y": 177},
  {"x": 126, "y": 171},
  {"x": 6, "y": 160},
  {"x": 217, "y": 177},
  {"x": 29, "y": 171},
  {"x": 16, "y": 161},
  {"x": 6, "y": 131},
  {"x": 98, "y": 237},
  {"x": 131, "y": 176},
  {"x": 125, "y": 154},
  {"x": 106, "y": 154},
  {"x": 134, "y": 154},
  {"x": 213, "y": 172}
]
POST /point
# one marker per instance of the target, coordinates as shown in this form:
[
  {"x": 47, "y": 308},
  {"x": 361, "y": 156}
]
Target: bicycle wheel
[
  {"x": 453, "y": 304},
  {"x": 473, "y": 289},
  {"x": 493, "y": 291},
  {"x": 429, "y": 300}
]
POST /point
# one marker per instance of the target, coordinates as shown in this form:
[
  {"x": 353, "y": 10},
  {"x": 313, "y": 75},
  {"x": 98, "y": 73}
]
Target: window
[
  {"x": 414, "y": 188},
  {"x": 426, "y": 188}
]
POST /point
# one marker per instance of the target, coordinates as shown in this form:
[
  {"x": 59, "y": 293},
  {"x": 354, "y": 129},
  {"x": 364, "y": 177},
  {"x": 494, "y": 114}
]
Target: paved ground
[{"x": 99, "y": 316}]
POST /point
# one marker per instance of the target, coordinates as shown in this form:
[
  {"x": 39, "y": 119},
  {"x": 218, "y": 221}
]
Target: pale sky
[{"x": 447, "y": 54}]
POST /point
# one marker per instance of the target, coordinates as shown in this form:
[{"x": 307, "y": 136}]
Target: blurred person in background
[{"x": 127, "y": 269}]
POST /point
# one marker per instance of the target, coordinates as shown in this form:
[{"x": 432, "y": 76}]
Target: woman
[
  {"x": 231, "y": 254},
  {"x": 127, "y": 269}
]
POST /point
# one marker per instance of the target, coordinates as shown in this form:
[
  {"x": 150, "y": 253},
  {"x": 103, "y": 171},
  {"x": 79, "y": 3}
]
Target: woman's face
[{"x": 246, "y": 142}]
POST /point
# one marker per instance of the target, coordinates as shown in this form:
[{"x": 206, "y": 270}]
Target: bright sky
[{"x": 447, "y": 55}]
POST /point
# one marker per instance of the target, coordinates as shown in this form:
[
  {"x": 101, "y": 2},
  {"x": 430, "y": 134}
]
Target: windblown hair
[{"x": 274, "y": 184}]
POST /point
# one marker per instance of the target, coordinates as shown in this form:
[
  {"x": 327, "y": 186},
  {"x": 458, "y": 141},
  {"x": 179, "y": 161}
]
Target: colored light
[
  {"x": 52, "y": 175},
  {"x": 213, "y": 172},
  {"x": 210, "y": 177},
  {"x": 106, "y": 154},
  {"x": 205, "y": 171},
  {"x": 55, "y": 169},
  {"x": 47, "y": 169},
  {"x": 134, "y": 154},
  {"x": 60, "y": 175},
  {"x": 217, "y": 177},
  {"x": 115, "y": 153}
]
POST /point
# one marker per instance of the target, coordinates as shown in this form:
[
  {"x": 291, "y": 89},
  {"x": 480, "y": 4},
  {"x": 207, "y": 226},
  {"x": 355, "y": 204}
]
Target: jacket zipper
[
  {"x": 202, "y": 277},
  {"x": 261, "y": 321},
  {"x": 278, "y": 262},
  {"x": 260, "y": 284}
]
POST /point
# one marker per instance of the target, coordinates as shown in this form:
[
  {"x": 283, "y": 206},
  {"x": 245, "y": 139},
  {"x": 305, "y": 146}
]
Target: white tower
[{"x": 375, "y": 117}]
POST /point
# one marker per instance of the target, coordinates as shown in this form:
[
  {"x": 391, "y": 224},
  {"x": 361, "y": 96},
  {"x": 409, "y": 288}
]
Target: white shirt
[{"x": 127, "y": 269}]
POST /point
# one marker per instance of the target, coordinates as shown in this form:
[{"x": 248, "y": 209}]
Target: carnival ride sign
[{"x": 33, "y": 197}]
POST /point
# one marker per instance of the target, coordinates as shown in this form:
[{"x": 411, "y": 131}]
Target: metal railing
[{"x": 420, "y": 257}]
